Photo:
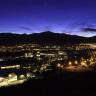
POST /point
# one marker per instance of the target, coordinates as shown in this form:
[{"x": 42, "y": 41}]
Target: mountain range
[{"x": 44, "y": 38}]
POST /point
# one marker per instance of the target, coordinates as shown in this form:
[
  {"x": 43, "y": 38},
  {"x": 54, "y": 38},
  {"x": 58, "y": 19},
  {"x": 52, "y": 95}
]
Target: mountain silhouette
[{"x": 44, "y": 38}]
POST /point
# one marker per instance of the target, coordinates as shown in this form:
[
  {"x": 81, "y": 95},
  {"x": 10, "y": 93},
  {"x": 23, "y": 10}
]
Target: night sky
[{"x": 62, "y": 16}]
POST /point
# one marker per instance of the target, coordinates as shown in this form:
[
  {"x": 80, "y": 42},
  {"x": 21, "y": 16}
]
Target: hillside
[{"x": 42, "y": 38}]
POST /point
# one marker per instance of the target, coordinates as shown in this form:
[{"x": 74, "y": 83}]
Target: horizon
[{"x": 44, "y": 32}]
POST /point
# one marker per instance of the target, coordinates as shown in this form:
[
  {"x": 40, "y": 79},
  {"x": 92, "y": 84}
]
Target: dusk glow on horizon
[{"x": 62, "y": 16}]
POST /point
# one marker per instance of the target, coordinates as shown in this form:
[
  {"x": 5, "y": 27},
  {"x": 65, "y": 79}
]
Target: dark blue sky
[{"x": 64, "y": 16}]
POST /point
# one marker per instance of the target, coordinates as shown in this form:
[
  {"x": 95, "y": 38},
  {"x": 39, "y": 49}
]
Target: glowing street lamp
[
  {"x": 58, "y": 65},
  {"x": 76, "y": 62},
  {"x": 70, "y": 63}
]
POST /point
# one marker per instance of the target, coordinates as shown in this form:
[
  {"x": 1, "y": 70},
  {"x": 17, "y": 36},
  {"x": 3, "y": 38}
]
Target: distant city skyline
[{"x": 62, "y": 16}]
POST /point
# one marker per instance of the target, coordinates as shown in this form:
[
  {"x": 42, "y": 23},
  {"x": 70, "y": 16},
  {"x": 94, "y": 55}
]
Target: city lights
[{"x": 32, "y": 61}]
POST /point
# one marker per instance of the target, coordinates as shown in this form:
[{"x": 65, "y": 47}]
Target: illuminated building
[
  {"x": 10, "y": 67},
  {"x": 12, "y": 77},
  {"x": 22, "y": 77},
  {"x": 28, "y": 55}
]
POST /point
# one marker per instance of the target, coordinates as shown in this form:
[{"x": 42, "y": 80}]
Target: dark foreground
[{"x": 65, "y": 84}]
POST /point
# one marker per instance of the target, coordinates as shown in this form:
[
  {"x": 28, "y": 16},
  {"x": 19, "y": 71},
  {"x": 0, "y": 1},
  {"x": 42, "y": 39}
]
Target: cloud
[
  {"x": 25, "y": 28},
  {"x": 80, "y": 24},
  {"x": 89, "y": 29}
]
